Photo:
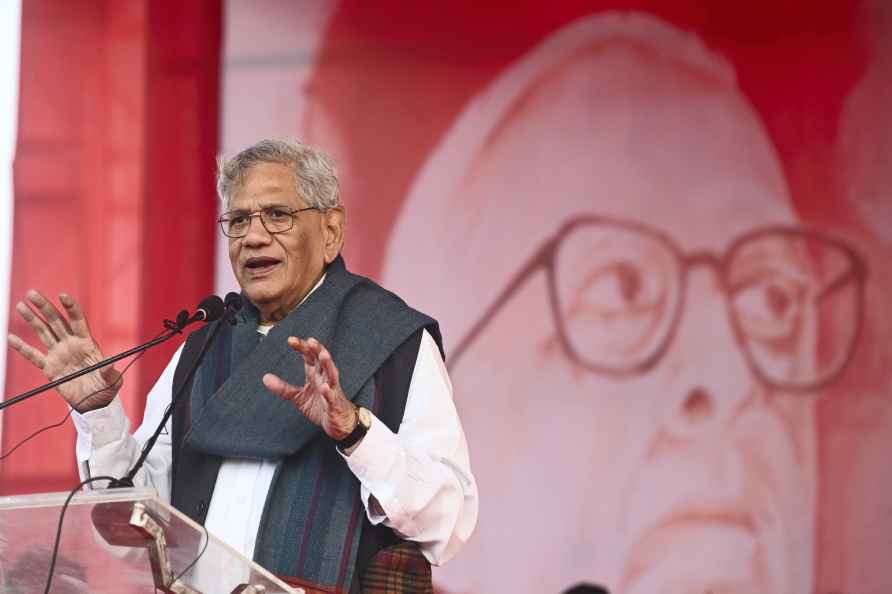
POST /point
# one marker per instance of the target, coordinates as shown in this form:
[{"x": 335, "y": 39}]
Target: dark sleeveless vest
[{"x": 314, "y": 528}]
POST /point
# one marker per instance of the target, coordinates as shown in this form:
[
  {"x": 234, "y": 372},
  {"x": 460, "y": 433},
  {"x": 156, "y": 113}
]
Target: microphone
[
  {"x": 233, "y": 302},
  {"x": 211, "y": 308},
  {"x": 215, "y": 309}
]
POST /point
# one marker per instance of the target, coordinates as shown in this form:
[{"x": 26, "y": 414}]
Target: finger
[
  {"x": 315, "y": 345},
  {"x": 280, "y": 387},
  {"x": 49, "y": 312},
  {"x": 311, "y": 375},
  {"x": 300, "y": 346},
  {"x": 304, "y": 348},
  {"x": 37, "y": 324},
  {"x": 312, "y": 346},
  {"x": 317, "y": 348},
  {"x": 334, "y": 397},
  {"x": 297, "y": 344},
  {"x": 76, "y": 317},
  {"x": 332, "y": 375},
  {"x": 36, "y": 358}
]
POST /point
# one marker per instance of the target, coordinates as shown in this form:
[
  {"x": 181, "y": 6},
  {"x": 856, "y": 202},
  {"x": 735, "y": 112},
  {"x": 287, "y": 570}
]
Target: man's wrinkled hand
[
  {"x": 321, "y": 398},
  {"x": 70, "y": 346}
]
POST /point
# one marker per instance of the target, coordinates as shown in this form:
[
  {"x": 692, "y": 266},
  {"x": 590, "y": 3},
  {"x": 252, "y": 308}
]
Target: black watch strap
[{"x": 358, "y": 433}]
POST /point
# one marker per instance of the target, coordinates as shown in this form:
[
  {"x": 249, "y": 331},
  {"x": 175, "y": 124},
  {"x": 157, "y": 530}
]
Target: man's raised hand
[
  {"x": 69, "y": 347},
  {"x": 321, "y": 398}
]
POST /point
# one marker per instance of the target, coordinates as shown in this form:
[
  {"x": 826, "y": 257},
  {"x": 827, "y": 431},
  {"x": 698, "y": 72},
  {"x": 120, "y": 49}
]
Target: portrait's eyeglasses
[
  {"x": 617, "y": 291},
  {"x": 275, "y": 219}
]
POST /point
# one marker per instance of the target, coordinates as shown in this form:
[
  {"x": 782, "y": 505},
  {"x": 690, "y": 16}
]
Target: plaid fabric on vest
[{"x": 399, "y": 569}]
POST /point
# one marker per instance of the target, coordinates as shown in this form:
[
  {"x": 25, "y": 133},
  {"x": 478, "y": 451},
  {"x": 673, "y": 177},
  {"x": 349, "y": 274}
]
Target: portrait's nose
[{"x": 705, "y": 372}]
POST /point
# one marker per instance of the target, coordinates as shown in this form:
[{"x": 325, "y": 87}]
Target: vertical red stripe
[
  {"x": 308, "y": 527},
  {"x": 348, "y": 544},
  {"x": 182, "y": 123}
]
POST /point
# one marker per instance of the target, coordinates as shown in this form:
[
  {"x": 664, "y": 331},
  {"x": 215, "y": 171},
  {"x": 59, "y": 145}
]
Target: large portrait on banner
[{"x": 658, "y": 245}]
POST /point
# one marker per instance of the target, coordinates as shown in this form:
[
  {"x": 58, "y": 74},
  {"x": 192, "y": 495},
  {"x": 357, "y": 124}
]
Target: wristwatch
[{"x": 363, "y": 422}]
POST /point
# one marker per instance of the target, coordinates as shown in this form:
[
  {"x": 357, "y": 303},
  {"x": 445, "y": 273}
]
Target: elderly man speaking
[{"x": 320, "y": 434}]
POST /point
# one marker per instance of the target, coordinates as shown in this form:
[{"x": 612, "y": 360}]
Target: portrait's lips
[
  {"x": 707, "y": 547},
  {"x": 259, "y": 266}
]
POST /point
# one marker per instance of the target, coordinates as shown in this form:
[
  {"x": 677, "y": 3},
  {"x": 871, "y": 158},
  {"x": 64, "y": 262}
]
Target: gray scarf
[{"x": 313, "y": 515}]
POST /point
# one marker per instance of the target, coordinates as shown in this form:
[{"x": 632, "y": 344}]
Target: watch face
[{"x": 365, "y": 417}]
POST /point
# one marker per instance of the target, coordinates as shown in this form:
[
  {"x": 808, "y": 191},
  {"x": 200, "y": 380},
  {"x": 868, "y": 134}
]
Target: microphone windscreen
[
  {"x": 212, "y": 306},
  {"x": 233, "y": 302}
]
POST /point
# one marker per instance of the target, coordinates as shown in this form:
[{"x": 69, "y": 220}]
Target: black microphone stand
[
  {"x": 173, "y": 328},
  {"x": 232, "y": 306}
]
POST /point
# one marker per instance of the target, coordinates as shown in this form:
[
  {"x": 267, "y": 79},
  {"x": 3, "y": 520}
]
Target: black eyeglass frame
[
  {"x": 546, "y": 257},
  {"x": 292, "y": 212}
]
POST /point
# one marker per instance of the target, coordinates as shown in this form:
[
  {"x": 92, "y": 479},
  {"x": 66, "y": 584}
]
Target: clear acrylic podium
[{"x": 119, "y": 541}]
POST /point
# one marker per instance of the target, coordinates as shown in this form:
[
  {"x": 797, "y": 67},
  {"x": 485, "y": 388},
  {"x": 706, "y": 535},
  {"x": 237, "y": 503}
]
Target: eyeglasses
[
  {"x": 617, "y": 290},
  {"x": 275, "y": 219}
]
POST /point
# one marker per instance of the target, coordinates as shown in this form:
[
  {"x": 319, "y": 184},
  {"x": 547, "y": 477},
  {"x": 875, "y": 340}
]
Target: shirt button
[{"x": 202, "y": 505}]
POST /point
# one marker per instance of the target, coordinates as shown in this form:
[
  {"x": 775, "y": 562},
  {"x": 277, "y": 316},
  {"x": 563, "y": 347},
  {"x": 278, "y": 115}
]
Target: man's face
[
  {"x": 691, "y": 477},
  {"x": 277, "y": 270}
]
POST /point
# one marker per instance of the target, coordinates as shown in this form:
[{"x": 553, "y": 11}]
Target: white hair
[{"x": 314, "y": 172}]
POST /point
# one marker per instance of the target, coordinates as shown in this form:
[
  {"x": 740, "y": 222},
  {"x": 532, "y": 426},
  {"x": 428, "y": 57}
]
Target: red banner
[{"x": 654, "y": 238}]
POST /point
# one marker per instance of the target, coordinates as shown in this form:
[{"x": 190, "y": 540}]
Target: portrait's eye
[
  {"x": 616, "y": 310},
  {"x": 770, "y": 309},
  {"x": 615, "y": 289}
]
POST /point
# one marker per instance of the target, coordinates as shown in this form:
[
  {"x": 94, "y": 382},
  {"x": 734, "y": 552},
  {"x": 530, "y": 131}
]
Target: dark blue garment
[{"x": 313, "y": 518}]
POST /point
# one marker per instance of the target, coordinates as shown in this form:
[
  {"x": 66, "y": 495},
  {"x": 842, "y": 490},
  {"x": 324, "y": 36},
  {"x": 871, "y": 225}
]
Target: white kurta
[{"x": 417, "y": 481}]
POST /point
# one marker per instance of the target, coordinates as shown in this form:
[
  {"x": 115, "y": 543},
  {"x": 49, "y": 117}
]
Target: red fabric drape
[{"x": 114, "y": 198}]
